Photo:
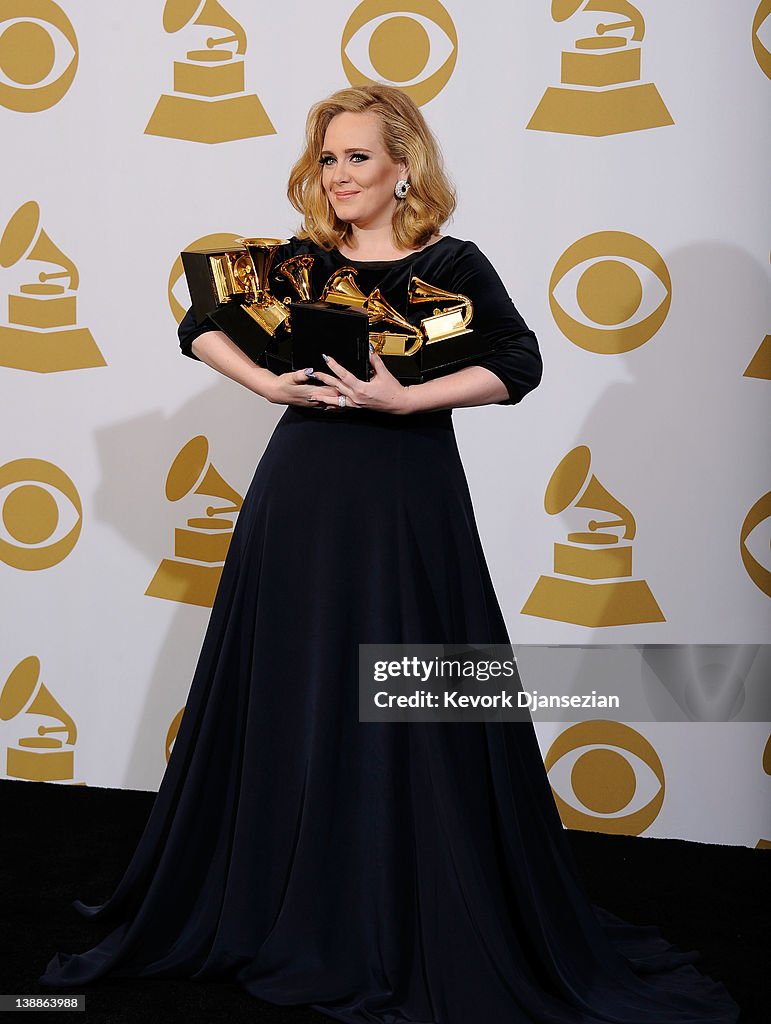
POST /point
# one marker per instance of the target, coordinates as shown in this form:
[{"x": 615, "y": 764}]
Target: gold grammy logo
[
  {"x": 172, "y": 732},
  {"x": 613, "y": 773},
  {"x": 42, "y": 532},
  {"x": 399, "y": 42},
  {"x": 28, "y": 55},
  {"x": 219, "y": 240},
  {"x": 601, "y": 92},
  {"x": 761, "y": 51},
  {"x": 593, "y": 585},
  {"x": 42, "y": 335},
  {"x": 210, "y": 103},
  {"x": 758, "y": 573},
  {"x": 760, "y": 364},
  {"x": 600, "y": 278},
  {"x": 765, "y": 844},
  {"x": 193, "y": 575},
  {"x": 43, "y": 757}
]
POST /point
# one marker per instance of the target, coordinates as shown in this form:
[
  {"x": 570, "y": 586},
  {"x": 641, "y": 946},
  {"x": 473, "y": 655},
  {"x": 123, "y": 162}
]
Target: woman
[{"x": 380, "y": 872}]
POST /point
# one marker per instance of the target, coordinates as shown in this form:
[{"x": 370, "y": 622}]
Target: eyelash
[{"x": 359, "y": 157}]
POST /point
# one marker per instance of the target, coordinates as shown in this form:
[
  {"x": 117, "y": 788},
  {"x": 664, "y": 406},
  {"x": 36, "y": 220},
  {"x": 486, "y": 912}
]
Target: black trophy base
[
  {"x": 278, "y": 354},
  {"x": 341, "y": 333},
  {"x": 242, "y": 329},
  {"x": 437, "y": 358}
]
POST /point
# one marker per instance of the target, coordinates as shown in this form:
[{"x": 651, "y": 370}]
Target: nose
[{"x": 341, "y": 174}]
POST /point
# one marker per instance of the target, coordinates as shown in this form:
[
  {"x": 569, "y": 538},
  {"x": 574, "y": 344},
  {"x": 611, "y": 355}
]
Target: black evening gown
[{"x": 383, "y": 873}]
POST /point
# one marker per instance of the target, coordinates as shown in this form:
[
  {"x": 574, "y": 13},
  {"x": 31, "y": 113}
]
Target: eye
[
  {"x": 414, "y": 46},
  {"x": 761, "y": 37},
  {"x": 755, "y": 543},
  {"x": 38, "y": 59},
  {"x": 610, "y": 292},
  {"x": 178, "y": 294},
  {"x": 37, "y": 528},
  {"x": 606, "y": 777}
]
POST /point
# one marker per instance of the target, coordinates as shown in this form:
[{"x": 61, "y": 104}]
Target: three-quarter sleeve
[
  {"x": 515, "y": 358},
  {"x": 189, "y": 329}
]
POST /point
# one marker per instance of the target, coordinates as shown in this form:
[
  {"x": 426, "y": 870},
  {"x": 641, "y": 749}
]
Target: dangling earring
[{"x": 401, "y": 188}]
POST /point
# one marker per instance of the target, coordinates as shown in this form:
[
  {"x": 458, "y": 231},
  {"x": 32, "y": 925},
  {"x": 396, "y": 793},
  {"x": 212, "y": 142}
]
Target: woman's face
[{"x": 357, "y": 173}]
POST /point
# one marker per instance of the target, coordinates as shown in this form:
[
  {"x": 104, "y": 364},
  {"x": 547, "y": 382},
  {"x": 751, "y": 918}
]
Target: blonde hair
[{"x": 406, "y": 136}]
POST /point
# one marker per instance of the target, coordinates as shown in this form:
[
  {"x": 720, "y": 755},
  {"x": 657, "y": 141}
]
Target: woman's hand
[
  {"x": 292, "y": 388},
  {"x": 382, "y": 392}
]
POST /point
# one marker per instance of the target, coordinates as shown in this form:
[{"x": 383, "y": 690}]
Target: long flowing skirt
[{"x": 382, "y": 872}]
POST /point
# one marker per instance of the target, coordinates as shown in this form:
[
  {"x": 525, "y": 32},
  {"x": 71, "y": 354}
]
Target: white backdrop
[{"x": 654, "y": 329}]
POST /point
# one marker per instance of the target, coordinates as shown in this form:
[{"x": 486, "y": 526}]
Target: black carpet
[{"x": 66, "y": 842}]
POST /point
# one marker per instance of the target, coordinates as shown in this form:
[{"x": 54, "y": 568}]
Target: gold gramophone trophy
[
  {"x": 337, "y": 324},
  {"x": 592, "y": 585},
  {"x": 43, "y": 757},
  {"x": 444, "y": 323},
  {"x": 342, "y": 290},
  {"x": 297, "y": 271},
  {"x": 411, "y": 352},
  {"x": 450, "y": 342},
  {"x": 231, "y": 288}
]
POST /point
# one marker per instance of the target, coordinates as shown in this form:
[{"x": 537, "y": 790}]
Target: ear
[{"x": 404, "y": 170}]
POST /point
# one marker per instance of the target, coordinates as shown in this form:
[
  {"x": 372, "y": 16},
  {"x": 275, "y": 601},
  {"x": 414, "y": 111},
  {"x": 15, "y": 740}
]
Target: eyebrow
[{"x": 355, "y": 149}]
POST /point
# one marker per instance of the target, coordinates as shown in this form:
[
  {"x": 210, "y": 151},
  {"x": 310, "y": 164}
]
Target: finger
[
  {"x": 301, "y": 376},
  {"x": 340, "y": 370},
  {"x": 334, "y": 403},
  {"x": 334, "y": 382},
  {"x": 377, "y": 363}
]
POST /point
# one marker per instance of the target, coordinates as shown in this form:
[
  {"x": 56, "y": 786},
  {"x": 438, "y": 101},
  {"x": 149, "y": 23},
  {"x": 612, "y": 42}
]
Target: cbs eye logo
[
  {"x": 761, "y": 51},
  {"x": 411, "y": 44},
  {"x": 610, "y": 292},
  {"x": 35, "y": 71},
  {"x": 605, "y": 777},
  {"x": 178, "y": 303},
  {"x": 759, "y": 514},
  {"x": 37, "y": 528}
]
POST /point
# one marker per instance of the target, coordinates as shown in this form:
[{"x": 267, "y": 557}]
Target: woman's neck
[{"x": 374, "y": 244}]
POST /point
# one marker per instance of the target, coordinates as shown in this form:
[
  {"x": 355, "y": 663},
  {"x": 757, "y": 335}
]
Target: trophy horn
[
  {"x": 379, "y": 309},
  {"x": 297, "y": 270},
  {"x": 260, "y": 253},
  {"x": 252, "y": 270},
  {"x": 341, "y": 289},
  {"x": 420, "y": 291}
]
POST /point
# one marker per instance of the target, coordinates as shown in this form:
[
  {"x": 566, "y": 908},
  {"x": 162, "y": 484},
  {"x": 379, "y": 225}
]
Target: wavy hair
[{"x": 406, "y": 136}]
